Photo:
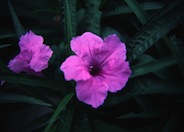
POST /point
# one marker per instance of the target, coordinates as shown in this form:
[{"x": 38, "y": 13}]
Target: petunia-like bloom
[
  {"x": 99, "y": 66},
  {"x": 33, "y": 56}
]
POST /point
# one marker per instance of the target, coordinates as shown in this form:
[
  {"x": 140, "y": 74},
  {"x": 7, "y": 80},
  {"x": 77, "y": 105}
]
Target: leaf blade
[
  {"x": 18, "y": 26},
  {"x": 30, "y": 80},
  {"x": 17, "y": 98},
  {"x": 58, "y": 110},
  {"x": 154, "y": 29}
]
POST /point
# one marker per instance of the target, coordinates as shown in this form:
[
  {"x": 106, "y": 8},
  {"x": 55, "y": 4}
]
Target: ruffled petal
[
  {"x": 114, "y": 47},
  {"x": 30, "y": 41},
  {"x": 18, "y": 65},
  {"x": 86, "y": 45},
  {"x": 40, "y": 58},
  {"x": 75, "y": 68},
  {"x": 92, "y": 91},
  {"x": 116, "y": 74}
]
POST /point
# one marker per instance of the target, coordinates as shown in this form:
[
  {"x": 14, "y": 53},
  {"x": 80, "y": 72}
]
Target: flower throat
[{"x": 94, "y": 70}]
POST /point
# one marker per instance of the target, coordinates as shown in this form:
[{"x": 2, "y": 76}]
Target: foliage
[{"x": 153, "y": 33}]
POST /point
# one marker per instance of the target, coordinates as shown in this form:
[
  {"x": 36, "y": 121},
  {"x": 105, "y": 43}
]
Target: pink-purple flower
[
  {"x": 33, "y": 56},
  {"x": 99, "y": 66}
]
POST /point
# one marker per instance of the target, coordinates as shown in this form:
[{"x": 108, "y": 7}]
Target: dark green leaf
[
  {"x": 30, "y": 81},
  {"x": 4, "y": 45},
  {"x": 172, "y": 124},
  {"x": 124, "y": 9},
  {"x": 66, "y": 119},
  {"x": 82, "y": 119},
  {"x": 152, "y": 66},
  {"x": 69, "y": 117},
  {"x": 145, "y": 59},
  {"x": 138, "y": 10},
  {"x": 155, "y": 86},
  {"x": 92, "y": 17},
  {"x": 7, "y": 34},
  {"x": 18, "y": 27},
  {"x": 37, "y": 123},
  {"x": 145, "y": 86},
  {"x": 17, "y": 98},
  {"x": 58, "y": 110},
  {"x": 68, "y": 10},
  {"x": 155, "y": 28}
]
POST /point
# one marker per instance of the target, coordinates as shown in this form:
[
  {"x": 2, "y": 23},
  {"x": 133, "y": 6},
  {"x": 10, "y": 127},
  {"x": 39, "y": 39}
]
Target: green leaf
[
  {"x": 17, "y": 98},
  {"x": 176, "y": 53},
  {"x": 106, "y": 31},
  {"x": 69, "y": 117},
  {"x": 145, "y": 86},
  {"x": 150, "y": 108},
  {"x": 31, "y": 81},
  {"x": 64, "y": 122},
  {"x": 155, "y": 28},
  {"x": 124, "y": 9},
  {"x": 92, "y": 17},
  {"x": 152, "y": 66},
  {"x": 18, "y": 27},
  {"x": 7, "y": 34},
  {"x": 172, "y": 124},
  {"x": 4, "y": 45},
  {"x": 38, "y": 93},
  {"x": 37, "y": 123},
  {"x": 144, "y": 59},
  {"x": 68, "y": 10},
  {"x": 138, "y": 10},
  {"x": 82, "y": 119},
  {"x": 58, "y": 110}
]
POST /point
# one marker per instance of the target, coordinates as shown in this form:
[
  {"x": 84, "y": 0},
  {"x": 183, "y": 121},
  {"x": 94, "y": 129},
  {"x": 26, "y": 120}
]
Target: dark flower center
[{"x": 94, "y": 70}]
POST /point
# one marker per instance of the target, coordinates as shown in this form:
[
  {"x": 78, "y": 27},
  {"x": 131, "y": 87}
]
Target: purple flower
[
  {"x": 98, "y": 67},
  {"x": 33, "y": 56}
]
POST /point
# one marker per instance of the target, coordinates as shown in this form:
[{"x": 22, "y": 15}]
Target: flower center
[{"x": 94, "y": 70}]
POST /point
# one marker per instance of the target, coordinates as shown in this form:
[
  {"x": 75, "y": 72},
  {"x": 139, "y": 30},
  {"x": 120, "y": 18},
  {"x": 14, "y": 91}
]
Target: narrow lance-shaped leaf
[
  {"x": 4, "y": 45},
  {"x": 152, "y": 66},
  {"x": 37, "y": 123},
  {"x": 18, "y": 27},
  {"x": 124, "y": 9},
  {"x": 17, "y": 98},
  {"x": 143, "y": 16},
  {"x": 64, "y": 121},
  {"x": 58, "y": 110},
  {"x": 92, "y": 16},
  {"x": 82, "y": 120},
  {"x": 69, "y": 117},
  {"x": 138, "y": 10},
  {"x": 30, "y": 81},
  {"x": 68, "y": 16},
  {"x": 154, "y": 29},
  {"x": 145, "y": 86}
]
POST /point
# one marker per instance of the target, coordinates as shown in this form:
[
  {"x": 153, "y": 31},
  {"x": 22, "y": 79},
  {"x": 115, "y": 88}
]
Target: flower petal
[
  {"x": 116, "y": 74},
  {"x": 40, "y": 58},
  {"x": 75, "y": 68},
  {"x": 30, "y": 41},
  {"x": 92, "y": 91},
  {"x": 86, "y": 45},
  {"x": 114, "y": 47},
  {"x": 18, "y": 65}
]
